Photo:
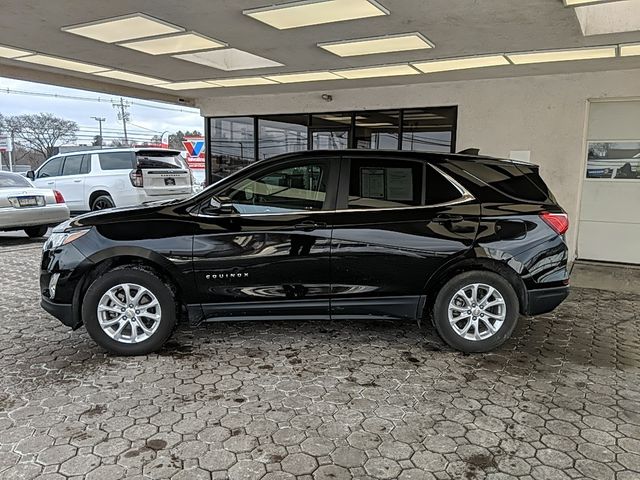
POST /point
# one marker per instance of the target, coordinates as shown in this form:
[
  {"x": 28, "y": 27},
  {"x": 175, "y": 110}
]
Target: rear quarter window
[
  {"x": 117, "y": 160},
  {"x": 439, "y": 189}
]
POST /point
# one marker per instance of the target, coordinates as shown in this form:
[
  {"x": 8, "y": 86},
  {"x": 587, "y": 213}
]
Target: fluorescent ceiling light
[
  {"x": 630, "y": 49},
  {"x": 386, "y": 44},
  {"x": 315, "y": 12},
  {"x": 229, "y": 59},
  {"x": 460, "y": 63},
  {"x": 611, "y": 17},
  {"x": 573, "y": 3},
  {"x": 10, "y": 52},
  {"x": 374, "y": 72},
  {"x": 127, "y": 27},
  {"x": 131, "y": 77},
  {"x": 62, "y": 63},
  {"x": 180, "y": 42},
  {"x": 242, "y": 82},
  {"x": 303, "y": 77},
  {"x": 190, "y": 85},
  {"x": 562, "y": 55}
]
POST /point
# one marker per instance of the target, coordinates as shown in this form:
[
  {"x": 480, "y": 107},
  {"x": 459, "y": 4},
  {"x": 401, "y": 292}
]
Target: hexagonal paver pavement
[{"x": 314, "y": 401}]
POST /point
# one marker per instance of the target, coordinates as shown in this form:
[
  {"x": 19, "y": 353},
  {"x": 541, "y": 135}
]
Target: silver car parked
[{"x": 25, "y": 207}]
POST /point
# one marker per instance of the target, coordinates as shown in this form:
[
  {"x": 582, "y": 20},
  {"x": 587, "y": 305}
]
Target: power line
[{"x": 13, "y": 91}]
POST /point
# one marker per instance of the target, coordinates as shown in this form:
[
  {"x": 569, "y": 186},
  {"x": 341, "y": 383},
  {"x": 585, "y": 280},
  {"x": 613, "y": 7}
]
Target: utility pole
[
  {"x": 123, "y": 114},
  {"x": 100, "y": 120}
]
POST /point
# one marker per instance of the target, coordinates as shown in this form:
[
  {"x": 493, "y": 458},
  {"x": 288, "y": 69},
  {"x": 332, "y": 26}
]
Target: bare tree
[{"x": 40, "y": 132}]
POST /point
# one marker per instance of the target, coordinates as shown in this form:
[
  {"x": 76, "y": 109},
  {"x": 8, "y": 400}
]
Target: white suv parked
[{"x": 99, "y": 179}]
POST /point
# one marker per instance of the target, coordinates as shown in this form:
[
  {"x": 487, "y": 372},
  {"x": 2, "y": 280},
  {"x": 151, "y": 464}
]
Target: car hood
[{"x": 120, "y": 214}]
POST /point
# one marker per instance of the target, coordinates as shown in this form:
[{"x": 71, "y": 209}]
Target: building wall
[{"x": 546, "y": 115}]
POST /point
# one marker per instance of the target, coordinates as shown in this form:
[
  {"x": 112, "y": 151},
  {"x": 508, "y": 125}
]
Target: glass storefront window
[
  {"x": 377, "y": 130},
  {"x": 231, "y": 145},
  {"x": 428, "y": 130},
  {"x": 282, "y": 134}
]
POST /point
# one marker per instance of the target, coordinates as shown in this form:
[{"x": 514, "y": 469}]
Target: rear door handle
[
  {"x": 77, "y": 181},
  {"x": 448, "y": 218},
  {"x": 309, "y": 226}
]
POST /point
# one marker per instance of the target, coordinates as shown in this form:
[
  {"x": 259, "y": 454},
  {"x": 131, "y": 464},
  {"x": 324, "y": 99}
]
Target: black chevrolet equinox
[{"x": 467, "y": 241}]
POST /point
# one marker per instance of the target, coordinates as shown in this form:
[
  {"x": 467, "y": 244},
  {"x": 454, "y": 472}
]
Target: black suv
[{"x": 469, "y": 242}]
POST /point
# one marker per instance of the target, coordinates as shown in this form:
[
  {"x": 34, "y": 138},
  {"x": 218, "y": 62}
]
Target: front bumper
[
  {"x": 544, "y": 300},
  {"x": 62, "y": 311}
]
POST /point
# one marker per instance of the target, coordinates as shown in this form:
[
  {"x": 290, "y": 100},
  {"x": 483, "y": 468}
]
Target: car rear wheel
[
  {"x": 102, "y": 203},
  {"x": 36, "y": 232},
  {"x": 129, "y": 311},
  {"x": 476, "y": 311}
]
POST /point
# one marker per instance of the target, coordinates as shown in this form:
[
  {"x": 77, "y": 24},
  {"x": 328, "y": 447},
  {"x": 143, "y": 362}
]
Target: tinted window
[
  {"x": 117, "y": 160},
  {"x": 86, "y": 164},
  {"x": 388, "y": 183},
  {"x": 295, "y": 188},
  {"x": 13, "y": 181},
  {"x": 439, "y": 189},
  {"x": 51, "y": 168},
  {"x": 72, "y": 165}
]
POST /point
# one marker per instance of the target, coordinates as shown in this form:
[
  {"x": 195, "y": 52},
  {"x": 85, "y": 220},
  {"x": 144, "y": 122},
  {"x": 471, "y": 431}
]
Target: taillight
[
  {"x": 136, "y": 178},
  {"x": 58, "y": 196},
  {"x": 559, "y": 222}
]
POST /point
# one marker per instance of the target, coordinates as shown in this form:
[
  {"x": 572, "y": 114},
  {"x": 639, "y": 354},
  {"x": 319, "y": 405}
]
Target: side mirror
[
  {"x": 31, "y": 175},
  {"x": 221, "y": 205}
]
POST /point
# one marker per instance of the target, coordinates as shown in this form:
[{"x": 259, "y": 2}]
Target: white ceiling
[{"x": 456, "y": 28}]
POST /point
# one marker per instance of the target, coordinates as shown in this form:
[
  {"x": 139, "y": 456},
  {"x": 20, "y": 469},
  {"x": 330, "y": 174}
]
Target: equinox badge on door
[{"x": 224, "y": 276}]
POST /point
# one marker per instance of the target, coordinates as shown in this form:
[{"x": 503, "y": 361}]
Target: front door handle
[
  {"x": 444, "y": 218},
  {"x": 309, "y": 226}
]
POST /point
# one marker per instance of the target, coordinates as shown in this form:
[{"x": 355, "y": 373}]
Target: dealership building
[{"x": 553, "y": 82}]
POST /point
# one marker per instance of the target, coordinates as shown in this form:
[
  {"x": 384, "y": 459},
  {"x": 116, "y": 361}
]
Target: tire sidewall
[
  {"x": 140, "y": 277},
  {"x": 441, "y": 307},
  {"x": 102, "y": 197},
  {"x": 36, "y": 232}
]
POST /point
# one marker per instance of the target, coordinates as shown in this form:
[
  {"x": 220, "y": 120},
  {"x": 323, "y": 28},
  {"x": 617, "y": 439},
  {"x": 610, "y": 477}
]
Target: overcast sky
[{"x": 147, "y": 118}]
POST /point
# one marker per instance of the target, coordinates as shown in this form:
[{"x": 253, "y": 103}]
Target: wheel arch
[
  {"x": 448, "y": 271},
  {"x": 98, "y": 192},
  {"x": 142, "y": 258}
]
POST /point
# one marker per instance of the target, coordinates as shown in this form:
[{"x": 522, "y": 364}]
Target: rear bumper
[
  {"x": 17, "y": 218},
  {"x": 137, "y": 197},
  {"x": 62, "y": 311},
  {"x": 545, "y": 299}
]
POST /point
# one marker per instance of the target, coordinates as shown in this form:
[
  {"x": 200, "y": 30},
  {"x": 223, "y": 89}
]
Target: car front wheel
[
  {"x": 129, "y": 311},
  {"x": 476, "y": 311}
]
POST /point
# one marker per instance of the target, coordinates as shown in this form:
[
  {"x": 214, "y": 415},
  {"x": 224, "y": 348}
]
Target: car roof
[
  {"x": 116, "y": 150},
  {"x": 436, "y": 157}
]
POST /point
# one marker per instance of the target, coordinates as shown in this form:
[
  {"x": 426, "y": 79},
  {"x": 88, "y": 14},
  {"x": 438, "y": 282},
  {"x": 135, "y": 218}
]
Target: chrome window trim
[{"x": 465, "y": 196}]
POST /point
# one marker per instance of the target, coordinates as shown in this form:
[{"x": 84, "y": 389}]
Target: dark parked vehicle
[{"x": 469, "y": 242}]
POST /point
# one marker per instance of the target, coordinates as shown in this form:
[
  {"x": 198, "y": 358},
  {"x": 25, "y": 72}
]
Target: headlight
[{"x": 57, "y": 239}]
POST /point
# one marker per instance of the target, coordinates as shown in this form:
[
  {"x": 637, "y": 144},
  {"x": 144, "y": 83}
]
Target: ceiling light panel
[
  {"x": 630, "y": 50},
  {"x": 375, "y": 72},
  {"x": 191, "y": 85},
  {"x": 315, "y": 12},
  {"x": 131, "y": 77},
  {"x": 575, "y": 3},
  {"x": 180, "y": 42},
  {"x": 303, "y": 77},
  {"x": 373, "y": 45},
  {"x": 242, "y": 82},
  {"x": 229, "y": 59},
  {"x": 460, "y": 63},
  {"x": 120, "y": 29},
  {"x": 562, "y": 55},
  {"x": 62, "y": 63},
  {"x": 10, "y": 52}
]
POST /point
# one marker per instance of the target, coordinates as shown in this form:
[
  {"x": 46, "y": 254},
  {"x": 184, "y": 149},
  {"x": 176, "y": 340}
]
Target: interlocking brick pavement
[{"x": 319, "y": 400}]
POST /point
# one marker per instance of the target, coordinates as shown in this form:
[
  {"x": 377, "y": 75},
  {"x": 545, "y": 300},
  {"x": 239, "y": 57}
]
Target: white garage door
[{"x": 609, "y": 227}]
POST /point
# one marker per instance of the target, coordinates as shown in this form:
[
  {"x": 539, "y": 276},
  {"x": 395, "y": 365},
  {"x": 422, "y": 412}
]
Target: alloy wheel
[
  {"x": 477, "y": 311},
  {"x": 129, "y": 313}
]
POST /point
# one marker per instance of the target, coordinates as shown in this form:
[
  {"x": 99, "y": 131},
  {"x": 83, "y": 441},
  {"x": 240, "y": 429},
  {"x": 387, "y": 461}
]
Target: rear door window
[
  {"x": 385, "y": 183},
  {"x": 117, "y": 160},
  {"x": 51, "y": 168},
  {"x": 86, "y": 164},
  {"x": 72, "y": 165}
]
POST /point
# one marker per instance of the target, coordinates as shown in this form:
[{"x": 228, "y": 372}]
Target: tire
[
  {"x": 102, "y": 203},
  {"x": 36, "y": 232},
  {"x": 483, "y": 340},
  {"x": 135, "y": 277}
]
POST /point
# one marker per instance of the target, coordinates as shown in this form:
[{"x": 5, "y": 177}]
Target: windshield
[{"x": 9, "y": 180}]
